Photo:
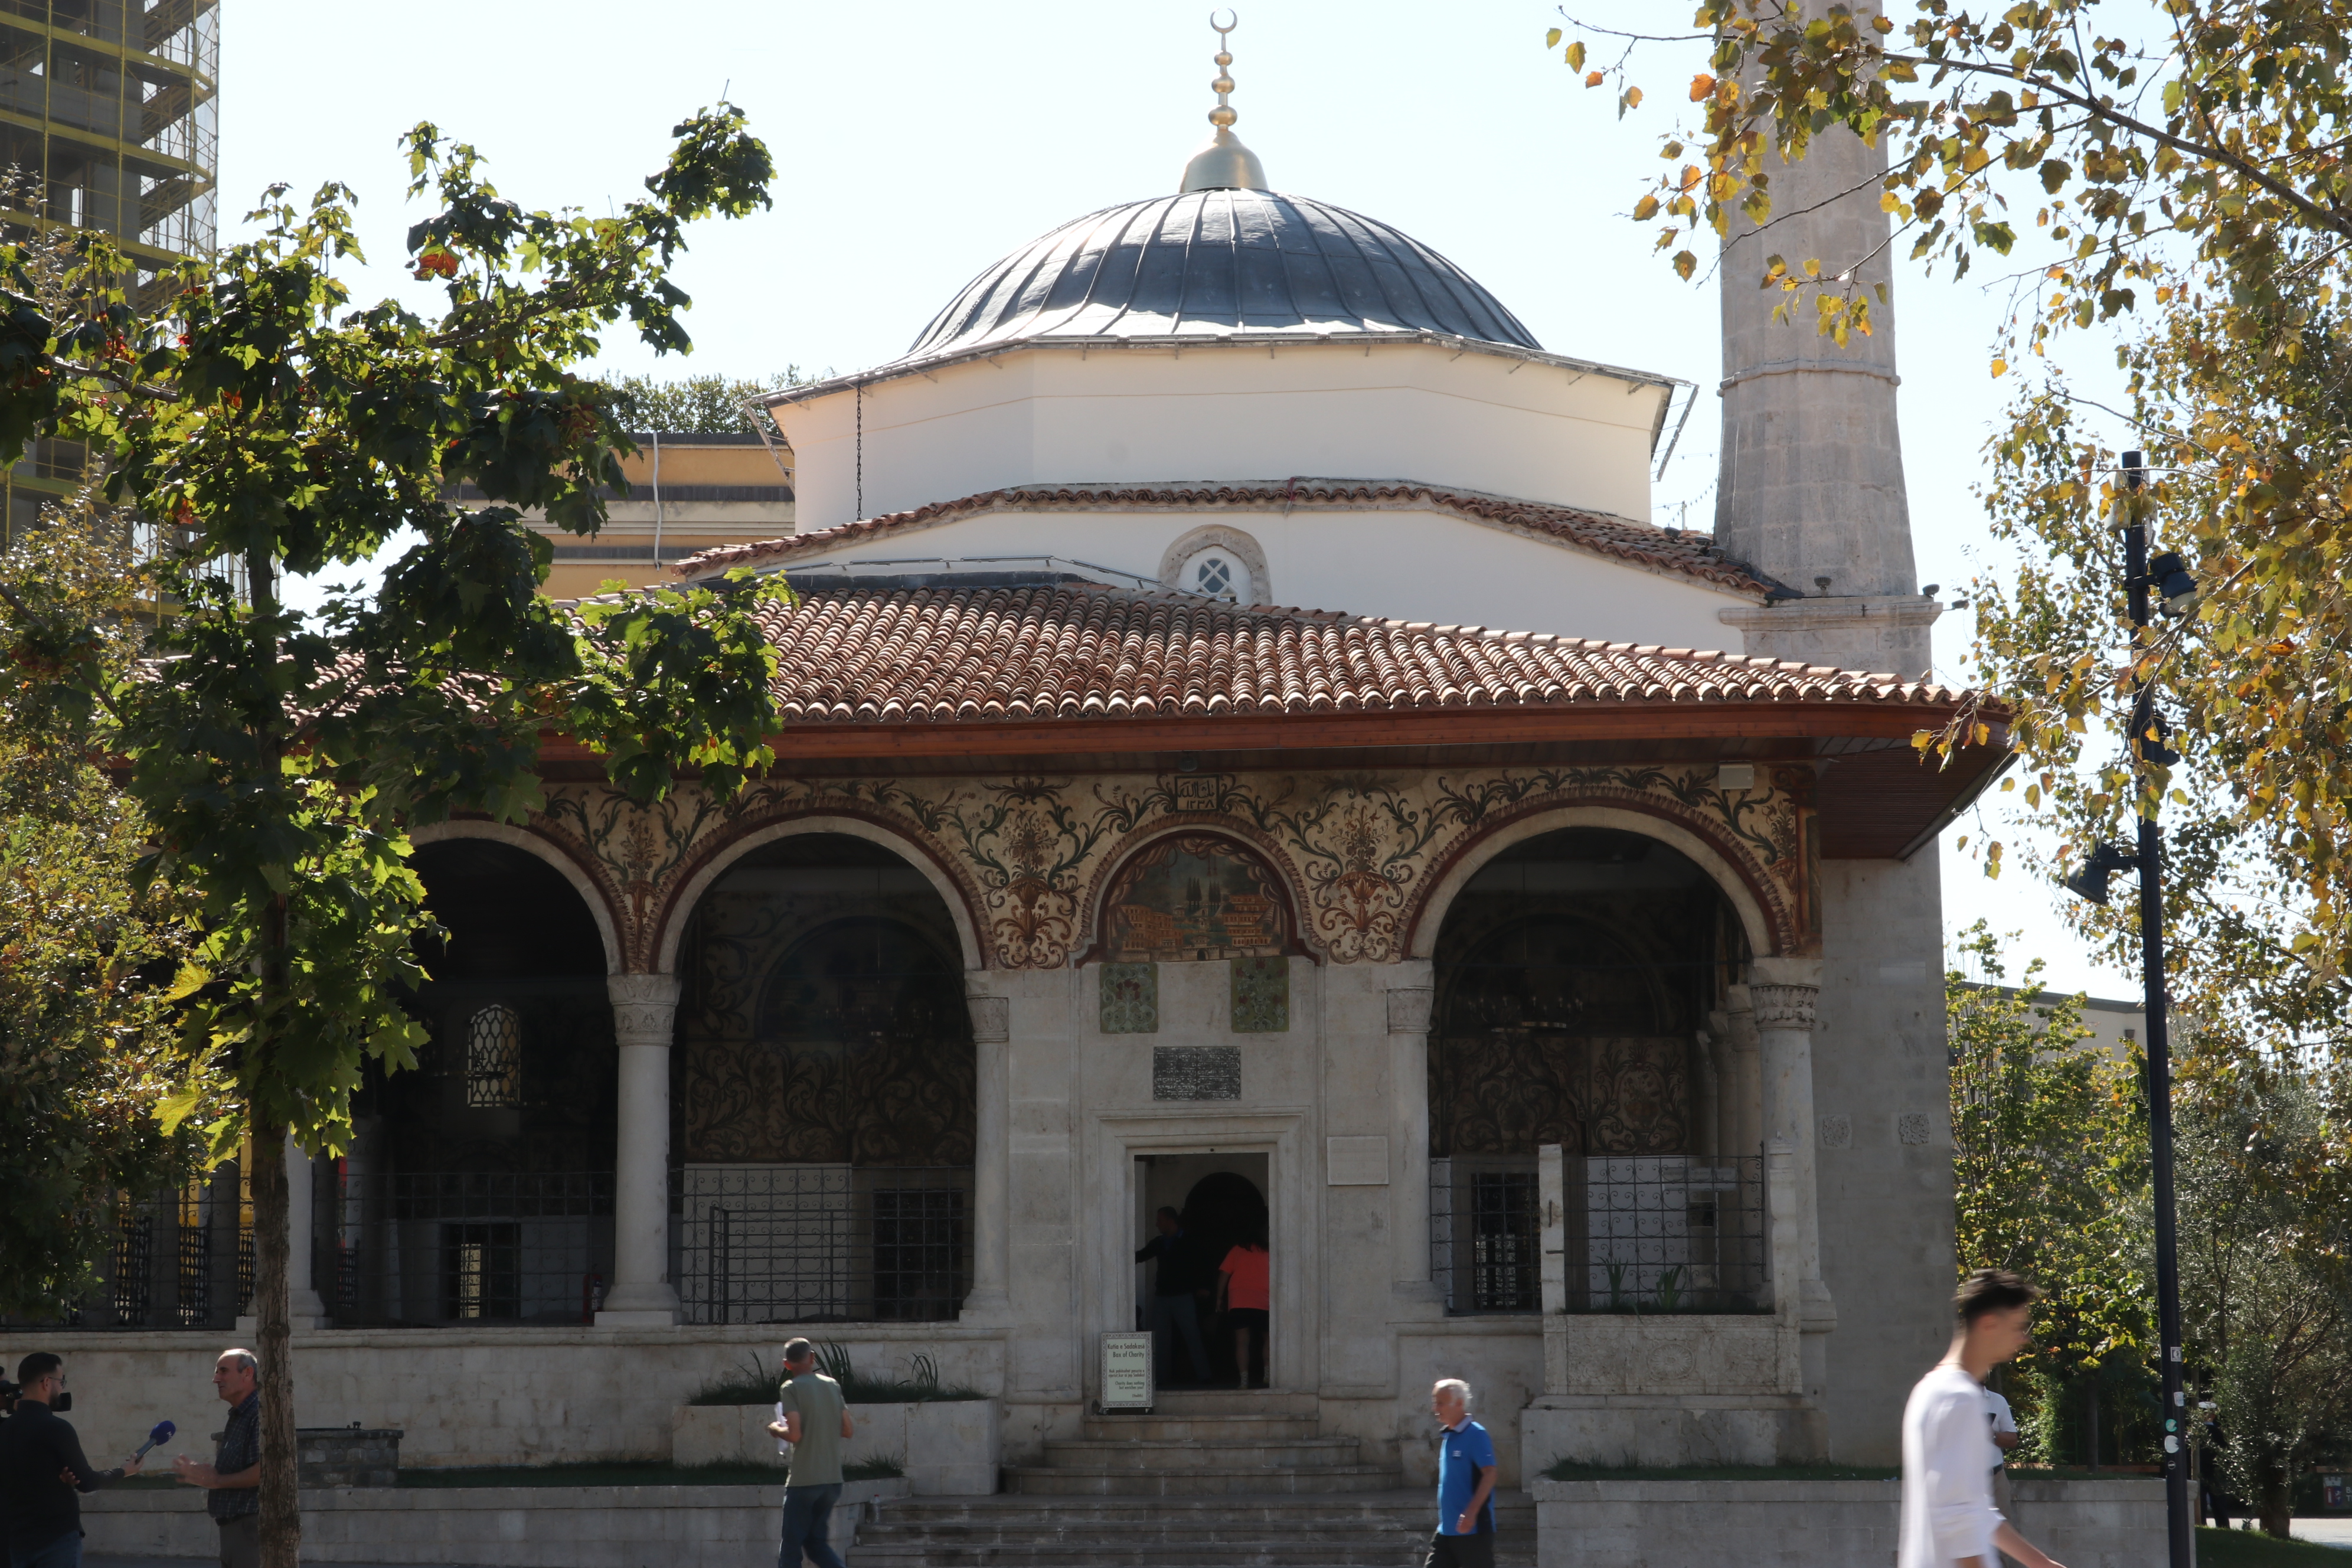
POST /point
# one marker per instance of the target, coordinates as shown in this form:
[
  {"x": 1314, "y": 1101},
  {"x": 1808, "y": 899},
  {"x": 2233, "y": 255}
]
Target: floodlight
[{"x": 2091, "y": 881}]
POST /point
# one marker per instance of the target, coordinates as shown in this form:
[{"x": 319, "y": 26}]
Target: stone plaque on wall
[
  {"x": 1357, "y": 1161},
  {"x": 1261, "y": 996},
  {"x": 1131, "y": 998},
  {"x": 1196, "y": 1072}
]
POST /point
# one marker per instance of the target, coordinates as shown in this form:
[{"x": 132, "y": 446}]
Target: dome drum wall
[{"x": 1156, "y": 412}]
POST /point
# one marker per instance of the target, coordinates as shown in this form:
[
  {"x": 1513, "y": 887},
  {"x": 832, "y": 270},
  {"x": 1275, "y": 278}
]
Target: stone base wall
[
  {"x": 512, "y": 1527},
  {"x": 949, "y": 1447},
  {"x": 1820, "y": 1524},
  {"x": 490, "y": 1397},
  {"x": 1676, "y": 1431}
]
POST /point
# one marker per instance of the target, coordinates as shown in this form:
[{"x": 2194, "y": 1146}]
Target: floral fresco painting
[{"x": 1195, "y": 896}]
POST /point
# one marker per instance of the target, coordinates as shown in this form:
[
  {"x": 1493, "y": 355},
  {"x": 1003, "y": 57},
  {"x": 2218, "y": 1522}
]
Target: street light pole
[{"x": 2177, "y": 1521}]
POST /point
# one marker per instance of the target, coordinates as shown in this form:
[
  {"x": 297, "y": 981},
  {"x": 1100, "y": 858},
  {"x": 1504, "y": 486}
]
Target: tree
[
  {"x": 280, "y": 761},
  {"x": 87, "y": 1033},
  {"x": 2175, "y": 172},
  {"x": 2050, "y": 1176},
  {"x": 704, "y": 405},
  {"x": 2266, "y": 1272}
]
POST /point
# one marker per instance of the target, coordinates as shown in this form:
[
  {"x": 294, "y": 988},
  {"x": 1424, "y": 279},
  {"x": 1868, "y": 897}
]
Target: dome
[{"x": 1218, "y": 263}]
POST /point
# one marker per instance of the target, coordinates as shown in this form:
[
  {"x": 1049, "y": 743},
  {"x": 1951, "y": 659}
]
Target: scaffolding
[{"x": 110, "y": 116}]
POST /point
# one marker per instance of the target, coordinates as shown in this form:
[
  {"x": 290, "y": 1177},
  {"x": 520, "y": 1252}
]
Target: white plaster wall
[
  {"x": 1401, "y": 564},
  {"x": 1216, "y": 412},
  {"x": 1885, "y": 1205}
]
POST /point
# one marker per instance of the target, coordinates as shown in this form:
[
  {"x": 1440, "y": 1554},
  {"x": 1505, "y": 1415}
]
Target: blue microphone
[{"x": 163, "y": 1434}]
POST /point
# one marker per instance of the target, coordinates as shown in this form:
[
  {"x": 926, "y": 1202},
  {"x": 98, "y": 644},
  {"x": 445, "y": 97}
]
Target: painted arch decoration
[{"x": 1361, "y": 856}]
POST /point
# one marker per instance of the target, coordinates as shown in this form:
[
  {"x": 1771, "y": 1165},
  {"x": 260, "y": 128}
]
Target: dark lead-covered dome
[{"x": 1217, "y": 263}]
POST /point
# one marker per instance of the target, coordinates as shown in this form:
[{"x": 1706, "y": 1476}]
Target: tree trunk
[
  {"x": 282, "y": 1509},
  {"x": 2277, "y": 1502}
]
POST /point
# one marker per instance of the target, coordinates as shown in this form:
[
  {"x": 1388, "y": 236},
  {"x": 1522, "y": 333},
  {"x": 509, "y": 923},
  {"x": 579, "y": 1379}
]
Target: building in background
[
  {"x": 109, "y": 118},
  {"x": 688, "y": 492}
]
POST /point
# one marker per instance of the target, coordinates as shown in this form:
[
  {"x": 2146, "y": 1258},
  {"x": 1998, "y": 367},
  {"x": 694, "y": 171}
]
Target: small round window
[{"x": 1217, "y": 575}]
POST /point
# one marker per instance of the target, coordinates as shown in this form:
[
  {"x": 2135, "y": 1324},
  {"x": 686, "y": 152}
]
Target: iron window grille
[
  {"x": 494, "y": 1058},
  {"x": 821, "y": 1243}
]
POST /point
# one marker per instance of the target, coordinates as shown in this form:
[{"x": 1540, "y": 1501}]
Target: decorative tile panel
[
  {"x": 1131, "y": 998},
  {"x": 1261, "y": 996}
]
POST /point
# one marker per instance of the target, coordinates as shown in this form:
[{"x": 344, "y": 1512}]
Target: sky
[{"x": 917, "y": 141}]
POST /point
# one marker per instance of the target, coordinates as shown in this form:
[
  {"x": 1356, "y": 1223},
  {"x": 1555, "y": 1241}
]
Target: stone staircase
[{"x": 1212, "y": 1476}]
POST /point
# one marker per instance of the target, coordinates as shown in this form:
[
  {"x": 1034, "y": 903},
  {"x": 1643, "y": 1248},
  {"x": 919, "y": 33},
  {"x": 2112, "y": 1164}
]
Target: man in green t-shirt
[{"x": 815, "y": 1422}]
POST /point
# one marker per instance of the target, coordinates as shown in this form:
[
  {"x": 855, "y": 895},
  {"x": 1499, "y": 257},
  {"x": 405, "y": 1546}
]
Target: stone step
[
  {"x": 1405, "y": 1506},
  {"x": 1249, "y": 1427},
  {"x": 1396, "y": 1549},
  {"x": 1240, "y": 1452},
  {"x": 1367, "y": 1529},
  {"x": 1205, "y": 1402},
  {"x": 1119, "y": 1480}
]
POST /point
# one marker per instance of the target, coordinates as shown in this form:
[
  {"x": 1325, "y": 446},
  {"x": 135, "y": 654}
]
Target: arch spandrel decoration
[
  {"x": 1362, "y": 854},
  {"x": 1190, "y": 895}
]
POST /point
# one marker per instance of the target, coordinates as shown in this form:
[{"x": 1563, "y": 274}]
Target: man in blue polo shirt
[{"x": 1465, "y": 1482}]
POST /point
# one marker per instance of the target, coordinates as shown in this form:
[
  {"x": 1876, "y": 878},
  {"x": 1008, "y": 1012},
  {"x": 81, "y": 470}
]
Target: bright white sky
[{"x": 918, "y": 142}]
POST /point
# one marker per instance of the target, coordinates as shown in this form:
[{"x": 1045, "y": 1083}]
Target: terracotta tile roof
[
  {"x": 1077, "y": 651},
  {"x": 1659, "y": 549}
]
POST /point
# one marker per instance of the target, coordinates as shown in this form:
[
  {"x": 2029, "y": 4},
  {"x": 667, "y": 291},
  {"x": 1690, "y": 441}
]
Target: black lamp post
[{"x": 2167, "y": 574}]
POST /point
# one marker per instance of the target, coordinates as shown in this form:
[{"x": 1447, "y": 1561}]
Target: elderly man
[
  {"x": 42, "y": 1469},
  {"x": 1465, "y": 1482},
  {"x": 232, "y": 1480}
]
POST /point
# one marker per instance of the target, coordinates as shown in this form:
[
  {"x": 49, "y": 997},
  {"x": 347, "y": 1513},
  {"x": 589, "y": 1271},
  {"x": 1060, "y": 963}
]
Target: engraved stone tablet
[
  {"x": 1357, "y": 1161},
  {"x": 1196, "y": 1072}
]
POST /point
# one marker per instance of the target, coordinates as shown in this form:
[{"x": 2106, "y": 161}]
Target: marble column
[
  {"x": 1782, "y": 992},
  {"x": 1410, "y": 997},
  {"x": 304, "y": 1309},
  {"x": 645, "y": 1015},
  {"x": 992, "y": 1156}
]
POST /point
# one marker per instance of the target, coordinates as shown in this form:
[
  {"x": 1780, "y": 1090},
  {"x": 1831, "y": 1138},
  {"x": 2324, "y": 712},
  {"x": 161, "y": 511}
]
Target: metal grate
[
  {"x": 162, "y": 1272},
  {"x": 1665, "y": 1233},
  {"x": 438, "y": 1249},
  {"x": 822, "y": 1244}
]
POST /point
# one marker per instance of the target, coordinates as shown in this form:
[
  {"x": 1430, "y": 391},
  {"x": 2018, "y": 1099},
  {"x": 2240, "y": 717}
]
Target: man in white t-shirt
[
  {"x": 1949, "y": 1518},
  {"x": 2004, "y": 1438}
]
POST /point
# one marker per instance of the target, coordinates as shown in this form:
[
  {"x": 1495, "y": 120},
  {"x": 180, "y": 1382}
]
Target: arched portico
[{"x": 591, "y": 893}]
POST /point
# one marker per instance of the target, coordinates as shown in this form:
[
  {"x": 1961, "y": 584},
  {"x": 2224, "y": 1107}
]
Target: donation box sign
[{"x": 1126, "y": 1372}]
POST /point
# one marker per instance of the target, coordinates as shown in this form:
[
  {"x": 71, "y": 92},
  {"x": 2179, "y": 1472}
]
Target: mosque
[{"x": 1540, "y": 941}]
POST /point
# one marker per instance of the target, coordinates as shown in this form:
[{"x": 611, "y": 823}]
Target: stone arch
[
  {"x": 1765, "y": 913},
  {"x": 1093, "y": 943},
  {"x": 715, "y": 857},
  {"x": 1219, "y": 535},
  {"x": 584, "y": 879}
]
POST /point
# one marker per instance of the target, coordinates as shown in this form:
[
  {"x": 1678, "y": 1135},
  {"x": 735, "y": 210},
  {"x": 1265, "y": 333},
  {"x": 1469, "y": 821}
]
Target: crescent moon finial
[
  {"x": 1224, "y": 164},
  {"x": 1228, "y": 26}
]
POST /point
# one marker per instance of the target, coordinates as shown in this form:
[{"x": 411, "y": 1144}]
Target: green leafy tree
[
  {"x": 89, "y": 1038},
  {"x": 2049, "y": 1174},
  {"x": 278, "y": 761},
  {"x": 2174, "y": 173},
  {"x": 701, "y": 404},
  {"x": 2266, "y": 1272}
]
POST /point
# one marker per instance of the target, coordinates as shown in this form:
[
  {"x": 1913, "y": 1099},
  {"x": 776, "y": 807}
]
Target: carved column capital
[
  {"x": 645, "y": 1007},
  {"x": 1784, "y": 1006},
  {"x": 992, "y": 1018}
]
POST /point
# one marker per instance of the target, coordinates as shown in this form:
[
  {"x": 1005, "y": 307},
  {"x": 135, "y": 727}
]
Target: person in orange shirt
[{"x": 1245, "y": 1293}]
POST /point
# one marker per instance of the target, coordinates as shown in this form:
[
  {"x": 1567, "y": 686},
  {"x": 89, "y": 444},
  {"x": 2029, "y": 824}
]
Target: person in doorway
[
  {"x": 815, "y": 1422},
  {"x": 2004, "y": 1438},
  {"x": 1175, "y": 1307},
  {"x": 231, "y": 1482},
  {"x": 1949, "y": 1518},
  {"x": 42, "y": 1470},
  {"x": 1465, "y": 1482},
  {"x": 1245, "y": 1295}
]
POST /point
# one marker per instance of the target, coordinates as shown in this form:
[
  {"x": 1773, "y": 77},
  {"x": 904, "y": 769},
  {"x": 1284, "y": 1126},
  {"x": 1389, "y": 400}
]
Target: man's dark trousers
[
  {"x": 64, "y": 1551},
  {"x": 1462, "y": 1551},
  {"x": 808, "y": 1519},
  {"x": 1174, "y": 1315}
]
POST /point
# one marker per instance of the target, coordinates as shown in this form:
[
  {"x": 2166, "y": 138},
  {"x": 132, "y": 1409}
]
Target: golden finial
[{"x": 1224, "y": 164}]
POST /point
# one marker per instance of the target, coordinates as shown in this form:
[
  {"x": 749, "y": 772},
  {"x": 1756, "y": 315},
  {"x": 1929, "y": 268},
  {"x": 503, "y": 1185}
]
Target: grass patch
[
  {"x": 1570, "y": 1470},
  {"x": 755, "y": 1385},
  {"x": 2253, "y": 1549}
]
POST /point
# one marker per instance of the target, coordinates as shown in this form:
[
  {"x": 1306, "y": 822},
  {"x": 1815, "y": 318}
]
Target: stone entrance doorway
[{"x": 1223, "y": 1200}]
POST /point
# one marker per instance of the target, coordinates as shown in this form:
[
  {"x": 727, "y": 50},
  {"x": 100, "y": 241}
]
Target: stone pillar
[
  {"x": 304, "y": 1309},
  {"x": 644, "y": 1017},
  {"x": 1410, "y": 997},
  {"x": 1783, "y": 992},
  {"x": 1742, "y": 1099},
  {"x": 992, "y": 1184}
]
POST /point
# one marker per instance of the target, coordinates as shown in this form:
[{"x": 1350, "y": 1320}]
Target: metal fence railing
[
  {"x": 425, "y": 1249},
  {"x": 821, "y": 1244},
  {"x": 1651, "y": 1233},
  {"x": 179, "y": 1260}
]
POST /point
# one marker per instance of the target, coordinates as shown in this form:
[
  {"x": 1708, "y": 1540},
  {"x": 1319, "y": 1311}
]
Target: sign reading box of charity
[{"x": 1126, "y": 1372}]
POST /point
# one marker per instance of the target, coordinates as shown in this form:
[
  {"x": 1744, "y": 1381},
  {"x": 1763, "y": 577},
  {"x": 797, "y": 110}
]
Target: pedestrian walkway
[
  {"x": 2324, "y": 1532},
  {"x": 93, "y": 1560}
]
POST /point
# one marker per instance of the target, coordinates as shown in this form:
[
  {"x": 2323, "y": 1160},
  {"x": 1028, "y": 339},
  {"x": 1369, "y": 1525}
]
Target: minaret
[{"x": 1811, "y": 491}]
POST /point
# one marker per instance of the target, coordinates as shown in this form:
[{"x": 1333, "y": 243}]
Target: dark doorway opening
[{"x": 1221, "y": 1200}]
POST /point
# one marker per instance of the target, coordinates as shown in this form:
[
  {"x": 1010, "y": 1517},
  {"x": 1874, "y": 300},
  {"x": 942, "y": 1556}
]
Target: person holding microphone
[{"x": 43, "y": 1472}]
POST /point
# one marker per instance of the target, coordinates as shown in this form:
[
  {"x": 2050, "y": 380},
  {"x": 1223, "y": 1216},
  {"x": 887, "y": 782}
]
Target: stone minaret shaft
[{"x": 1812, "y": 482}]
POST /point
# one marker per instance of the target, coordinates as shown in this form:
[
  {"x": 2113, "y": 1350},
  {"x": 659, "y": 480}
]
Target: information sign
[{"x": 1126, "y": 1372}]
